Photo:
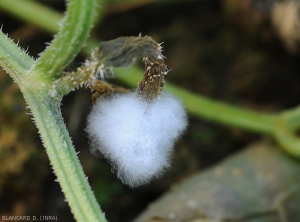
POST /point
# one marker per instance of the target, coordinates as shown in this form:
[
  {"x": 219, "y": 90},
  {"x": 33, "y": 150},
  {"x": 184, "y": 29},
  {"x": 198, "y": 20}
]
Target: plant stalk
[{"x": 63, "y": 158}]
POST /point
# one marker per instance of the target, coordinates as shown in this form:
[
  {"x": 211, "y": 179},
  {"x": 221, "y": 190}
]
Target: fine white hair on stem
[{"x": 135, "y": 136}]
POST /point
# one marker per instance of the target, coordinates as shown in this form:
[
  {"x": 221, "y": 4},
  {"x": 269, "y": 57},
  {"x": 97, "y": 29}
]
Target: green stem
[
  {"x": 286, "y": 131},
  {"x": 62, "y": 156},
  {"x": 13, "y": 59},
  {"x": 38, "y": 14},
  {"x": 69, "y": 40},
  {"x": 61, "y": 52},
  {"x": 225, "y": 113},
  {"x": 292, "y": 118}
]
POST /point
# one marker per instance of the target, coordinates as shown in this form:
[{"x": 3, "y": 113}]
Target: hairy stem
[
  {"x": 46, "y": 112},
  {"x": 13, "y": 59},
  {"x": 69, "y": 40},
  {"x": 62, "y": 156},
  {"x": 58, "y": 145}
]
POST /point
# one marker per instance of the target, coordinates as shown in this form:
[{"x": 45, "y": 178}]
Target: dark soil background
[{"x": 228, "y": 50}]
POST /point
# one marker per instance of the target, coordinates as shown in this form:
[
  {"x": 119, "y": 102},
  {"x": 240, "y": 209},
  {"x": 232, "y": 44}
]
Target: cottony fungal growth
[
  {"x": 135, "y": 136},
  {"x": 135, "y": 131}
]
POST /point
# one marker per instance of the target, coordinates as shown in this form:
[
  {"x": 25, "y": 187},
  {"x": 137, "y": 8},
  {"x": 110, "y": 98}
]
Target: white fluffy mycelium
[{"x": 135, "y": 136}]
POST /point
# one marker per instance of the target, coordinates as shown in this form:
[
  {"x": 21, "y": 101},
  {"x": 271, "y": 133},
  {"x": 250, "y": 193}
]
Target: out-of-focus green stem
[
  {"x": 33, "y": 12},
  {"x": 286, "y": 131},
  {"x": 38, "y": 14}
]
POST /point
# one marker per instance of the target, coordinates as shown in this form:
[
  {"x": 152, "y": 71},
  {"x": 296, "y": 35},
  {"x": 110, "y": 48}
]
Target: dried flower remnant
[
  {"x": 125, "y": 51},
  {"x": 153, "y": 81}
]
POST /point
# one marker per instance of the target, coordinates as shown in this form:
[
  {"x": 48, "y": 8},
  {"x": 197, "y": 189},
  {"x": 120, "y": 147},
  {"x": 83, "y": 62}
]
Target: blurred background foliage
[{"x": 240, "y": 52}]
